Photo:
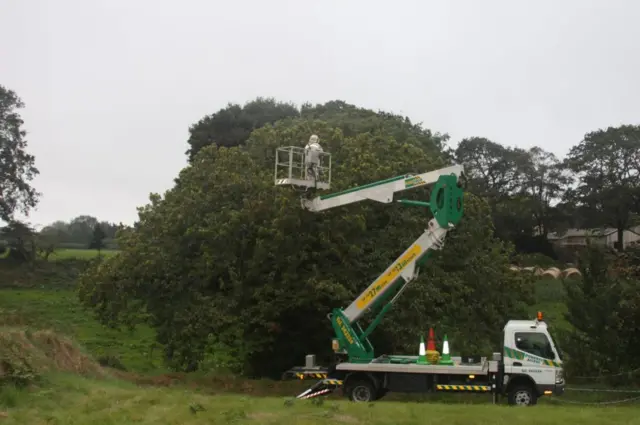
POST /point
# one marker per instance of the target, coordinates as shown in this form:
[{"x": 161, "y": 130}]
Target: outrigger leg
[{"x": 322, "y": 387}]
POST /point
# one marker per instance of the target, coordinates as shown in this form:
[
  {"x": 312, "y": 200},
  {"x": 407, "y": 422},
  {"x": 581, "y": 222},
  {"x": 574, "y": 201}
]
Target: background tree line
[
  {"x": 80, "y": 232},
  {"x": 231, "y": 273},
  {"x": 26, "y": 244}
]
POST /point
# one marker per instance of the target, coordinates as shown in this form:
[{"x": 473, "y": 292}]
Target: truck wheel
[
  {"x": 361, "y": 391},
  {"x": 522, "y": 395}
]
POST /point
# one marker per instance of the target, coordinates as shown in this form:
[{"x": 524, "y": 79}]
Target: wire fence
[
  {"x": 594, "y": 403},
  {"x": 599, "y": 391},
  {"x": 615, "y": 375}
]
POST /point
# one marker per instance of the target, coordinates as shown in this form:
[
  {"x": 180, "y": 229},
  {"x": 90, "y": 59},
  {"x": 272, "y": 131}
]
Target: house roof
[{"x": 602, "y": 232}]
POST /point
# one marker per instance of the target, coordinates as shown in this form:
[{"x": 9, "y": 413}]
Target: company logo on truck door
[
  {"x": 413, "y": 181},
  {"x": 384, "y": 281},
  {"x": 521, "y": 355}
]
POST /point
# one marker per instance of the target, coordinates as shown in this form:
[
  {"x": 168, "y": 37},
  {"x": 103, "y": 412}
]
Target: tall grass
[{"x": 75, "y": 400}]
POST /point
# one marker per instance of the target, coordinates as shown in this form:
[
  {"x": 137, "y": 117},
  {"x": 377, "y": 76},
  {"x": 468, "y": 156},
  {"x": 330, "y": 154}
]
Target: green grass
[
  {"x": 60, "y": 310},
  {"x": 550, "y": 300},
  {"x": 80, "y": 254},
  {"x": 76, "y": 254},
  {"x": 69, "y": 400}
]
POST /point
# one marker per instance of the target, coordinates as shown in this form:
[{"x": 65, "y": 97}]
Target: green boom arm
[{"x": 446, "y": 205}]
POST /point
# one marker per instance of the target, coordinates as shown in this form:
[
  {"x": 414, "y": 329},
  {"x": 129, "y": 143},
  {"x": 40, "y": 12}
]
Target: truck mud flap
[{"x": 324, "y": 387}]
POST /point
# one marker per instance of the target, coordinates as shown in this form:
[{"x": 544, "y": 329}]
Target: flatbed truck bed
[{"x": 482, "y": 369}]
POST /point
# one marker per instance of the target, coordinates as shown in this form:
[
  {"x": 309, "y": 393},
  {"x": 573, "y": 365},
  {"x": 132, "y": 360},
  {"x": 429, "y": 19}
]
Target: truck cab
[{"x": 532, "y": 361}]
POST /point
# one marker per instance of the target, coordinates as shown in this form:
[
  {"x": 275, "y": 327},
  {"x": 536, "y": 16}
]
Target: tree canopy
[
  {"x": 607, "y": 163},
  {"x": 17, "y": 166},
  {"x": 232, "y": 125}
]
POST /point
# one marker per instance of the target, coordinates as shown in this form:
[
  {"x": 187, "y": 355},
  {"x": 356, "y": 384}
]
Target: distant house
[{"x": 575, "y": 238}]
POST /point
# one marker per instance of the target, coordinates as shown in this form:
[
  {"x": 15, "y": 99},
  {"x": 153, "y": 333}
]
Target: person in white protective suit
[{"x": 312, "y": 156}]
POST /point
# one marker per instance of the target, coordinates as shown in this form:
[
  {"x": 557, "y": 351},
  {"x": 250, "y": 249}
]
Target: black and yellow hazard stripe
[
  {"x": 332, "y": 382},
  {"x": 463, "y": 388},
  {"x": 310, "y": 375}
]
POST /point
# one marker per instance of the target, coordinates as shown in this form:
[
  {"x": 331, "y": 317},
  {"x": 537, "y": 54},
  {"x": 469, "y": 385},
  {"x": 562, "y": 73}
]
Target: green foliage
[
  {"x": 607, "y": 163},
  {"x": 537, "y": 260},
  {"x": 225, "y": 254},
  {"x": 231, "y": 126},
  {"x": 21, "y": 241},
  {"x": 353, "y": 120},
  {"x": 545, "y": 181},
  {"x": 520, "y": 186},
  {"x": 16, "y": 363},
  {"x": 78, "y": 232},
  {"x": 494, "y": 170},
  {"x": 97, "y": 238},
  {"x": 604, "y": 310},
  {"x": 17, "y": 167}
]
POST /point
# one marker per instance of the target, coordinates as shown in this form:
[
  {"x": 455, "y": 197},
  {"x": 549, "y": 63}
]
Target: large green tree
[
  {"x": 522, "y": 188},
  {"x": 230, "y": 270},
  {"x": 496, "y": 174},
  {"x": 17, "y": 166},
  {"x": 495, "y": 171},
  {"x": 607, "y": 165},
  {"x": 545, "y": 181}
]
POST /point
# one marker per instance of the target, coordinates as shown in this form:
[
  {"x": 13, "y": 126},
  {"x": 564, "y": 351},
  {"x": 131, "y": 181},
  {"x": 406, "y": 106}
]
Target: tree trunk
[{"x": 620, "y": 239}]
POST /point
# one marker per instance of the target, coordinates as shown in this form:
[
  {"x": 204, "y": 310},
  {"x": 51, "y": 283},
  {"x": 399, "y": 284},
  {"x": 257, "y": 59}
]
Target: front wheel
[
  {"x": 522, "y": 395},
  {"x": 361, "y": 391}
]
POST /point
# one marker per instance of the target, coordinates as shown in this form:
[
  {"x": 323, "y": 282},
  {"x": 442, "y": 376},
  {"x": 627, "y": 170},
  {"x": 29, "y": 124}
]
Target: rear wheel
[
  {"x": 361, "y": 391},
  {"x": 522, "y": 395}
]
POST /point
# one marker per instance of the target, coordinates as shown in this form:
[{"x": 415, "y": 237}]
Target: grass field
[
  {"x": 60, "y": 310},
  {"x": 68, "y": 399},
  {"x": 80, "y": 254},
  {"x": 73, "y": 389},
  {"x": 76, "y": 254},
  {"x": 151, "y": 395}
]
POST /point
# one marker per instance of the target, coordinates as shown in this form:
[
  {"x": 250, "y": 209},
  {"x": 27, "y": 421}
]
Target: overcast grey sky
[{"x": 111, "y": 86}]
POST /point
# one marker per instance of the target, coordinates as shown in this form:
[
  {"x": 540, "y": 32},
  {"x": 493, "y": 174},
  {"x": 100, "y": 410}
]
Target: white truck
[{"x": 529, "y": 364}]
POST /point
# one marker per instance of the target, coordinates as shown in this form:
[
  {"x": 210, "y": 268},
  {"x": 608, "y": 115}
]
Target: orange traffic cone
[
  {"x": 431, "y": 342},
  {"x": 432, "y": 352}
]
